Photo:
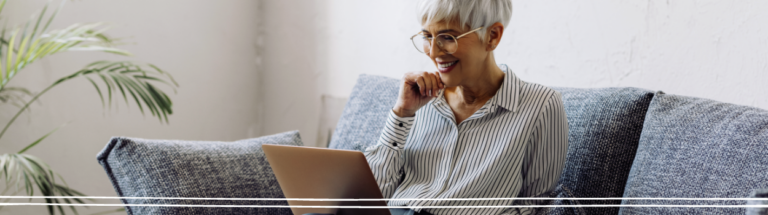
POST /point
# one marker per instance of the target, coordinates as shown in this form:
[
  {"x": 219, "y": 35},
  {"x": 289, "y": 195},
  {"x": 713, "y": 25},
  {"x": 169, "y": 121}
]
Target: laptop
[{"x": 307, "y": 172}]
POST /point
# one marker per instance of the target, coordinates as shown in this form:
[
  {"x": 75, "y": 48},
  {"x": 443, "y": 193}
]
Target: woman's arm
[
  {"x": 545, "y": 157},
  {"x": 386, "y": 157}
]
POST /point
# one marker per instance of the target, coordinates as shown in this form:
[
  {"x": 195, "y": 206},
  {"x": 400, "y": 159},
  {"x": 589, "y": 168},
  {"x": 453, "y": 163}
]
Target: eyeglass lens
[{"x": 444, "y": 41}]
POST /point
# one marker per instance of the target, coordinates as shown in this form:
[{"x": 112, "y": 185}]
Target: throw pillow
[
  {"x": 174, "y": 168},
  {"x": 604, "y": 126},
  {"x": 365, "y": 113},
  {"x": 698, "y": 148}
]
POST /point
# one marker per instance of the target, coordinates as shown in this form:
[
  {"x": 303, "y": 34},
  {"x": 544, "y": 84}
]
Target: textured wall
[
  {"x": 711, "y": 49},
  {"x": 209, "y": 46}
]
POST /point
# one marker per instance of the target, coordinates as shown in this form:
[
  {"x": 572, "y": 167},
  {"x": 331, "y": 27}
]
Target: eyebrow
[{"x": 441, "y": 31}]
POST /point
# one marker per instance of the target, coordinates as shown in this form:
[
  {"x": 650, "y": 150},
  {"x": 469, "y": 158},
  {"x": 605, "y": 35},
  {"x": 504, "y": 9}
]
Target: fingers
[
  {"x": 422, "y": 85},
  {"x": 429, "y": 81},
  {"x": 435, "y": 84},
  {"x": 439, "y": 80}
]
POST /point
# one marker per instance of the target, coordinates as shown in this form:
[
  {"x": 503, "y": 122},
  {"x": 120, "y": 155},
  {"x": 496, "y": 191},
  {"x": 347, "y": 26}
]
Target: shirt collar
[{"x": 507, "y": 97}]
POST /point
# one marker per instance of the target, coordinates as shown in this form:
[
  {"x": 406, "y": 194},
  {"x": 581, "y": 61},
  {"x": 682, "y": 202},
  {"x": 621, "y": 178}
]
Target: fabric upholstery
[
  {"x": 698, "y": 148},
  {"x": 173, "y": 168},
  {"x": 604, "y": 127},
  {"x": 568, "y": 206},
  {"x": 365, "y": 113}
]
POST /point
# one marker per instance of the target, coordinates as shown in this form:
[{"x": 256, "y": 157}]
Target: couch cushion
[
  {"x": 604, "y": 126},
  {"x": 365, "y": 113},
  {"x": 698, "y": 148},
  {"x": 174, "y": 168}
]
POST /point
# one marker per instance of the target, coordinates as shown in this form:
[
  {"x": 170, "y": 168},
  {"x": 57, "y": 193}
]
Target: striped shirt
[{"x": 513, "y": 146}]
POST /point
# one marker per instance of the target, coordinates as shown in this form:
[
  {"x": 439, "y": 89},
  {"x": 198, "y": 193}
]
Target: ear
[{"x": 493, "y": 36}]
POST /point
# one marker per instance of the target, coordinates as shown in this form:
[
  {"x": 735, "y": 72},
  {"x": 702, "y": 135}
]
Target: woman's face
[{"x": 462, "y": 64}]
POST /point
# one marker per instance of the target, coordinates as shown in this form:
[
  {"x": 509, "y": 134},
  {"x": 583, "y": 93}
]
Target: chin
[{"x": 448, "y": 83}]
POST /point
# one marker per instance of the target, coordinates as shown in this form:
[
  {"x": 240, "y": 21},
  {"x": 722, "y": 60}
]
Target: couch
[{"x": 623, "y": 142}]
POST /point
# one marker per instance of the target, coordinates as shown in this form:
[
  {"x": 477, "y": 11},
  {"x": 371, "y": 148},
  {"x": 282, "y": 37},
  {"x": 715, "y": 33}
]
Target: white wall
[
  {"x": 209, "y": 46},
  {"x": 712, "y": 49},
  {"x": 294, "y": 66}
]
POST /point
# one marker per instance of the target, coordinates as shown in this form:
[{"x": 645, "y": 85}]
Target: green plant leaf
[
  {"x": 120, "y": 87},
  {"x": 135, "y": 98},
  {"x": 109, "y": 87},
  {"x": 165, "y": 73},
  {"x": 36, "y": 43},
  {"x": 16, "y": 96},
  {"x": 2, "y": 5},
  {"x": 97, "y": 90},
  {"x": 39, "y": 140},
  {"x": 34, "y": 174},
  {"x": 19, "y": 56},
  {"x": 9, "y": 54}
]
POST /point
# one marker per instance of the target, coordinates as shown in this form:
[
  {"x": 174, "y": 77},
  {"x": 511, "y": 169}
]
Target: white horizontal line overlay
[
  {"x": 366, "y": 207},
  {"x": 335, "y": 200},
  {"x": 378, "y": 207}
]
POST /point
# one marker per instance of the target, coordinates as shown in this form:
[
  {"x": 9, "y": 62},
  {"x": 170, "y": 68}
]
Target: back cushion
[
  {"x": 698, "y": 148},
  {"x": 604, "y": 126},
  {"x": 174, "y": 168},
  {"x": 365, "y": 113}
]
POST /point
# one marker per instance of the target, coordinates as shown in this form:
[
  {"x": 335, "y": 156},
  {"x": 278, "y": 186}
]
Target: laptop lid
[{"x": 307, "y": 172}]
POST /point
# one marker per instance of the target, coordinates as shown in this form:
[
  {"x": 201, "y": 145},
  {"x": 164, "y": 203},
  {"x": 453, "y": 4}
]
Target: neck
[{"x": 483, "y": 86}]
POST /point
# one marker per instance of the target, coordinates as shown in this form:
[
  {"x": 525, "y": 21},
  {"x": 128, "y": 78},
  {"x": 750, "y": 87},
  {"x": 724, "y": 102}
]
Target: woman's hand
[{"x": 418, "y": 88}]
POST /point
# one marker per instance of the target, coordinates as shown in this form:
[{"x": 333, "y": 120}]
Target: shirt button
[
  {"x": 401, "y": 124},
  {"x": 394, "y": 144}
]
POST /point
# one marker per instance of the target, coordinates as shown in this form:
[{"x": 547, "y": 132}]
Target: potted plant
[{"x": 22, "y": 45}]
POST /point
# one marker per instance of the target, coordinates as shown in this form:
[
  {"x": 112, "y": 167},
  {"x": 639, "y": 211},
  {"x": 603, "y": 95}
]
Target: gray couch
[{"x": 623, "y": 142}]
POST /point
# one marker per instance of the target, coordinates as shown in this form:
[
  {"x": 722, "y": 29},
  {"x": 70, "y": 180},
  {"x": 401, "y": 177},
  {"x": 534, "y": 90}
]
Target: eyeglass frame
[{"x": 432, "y": 41}]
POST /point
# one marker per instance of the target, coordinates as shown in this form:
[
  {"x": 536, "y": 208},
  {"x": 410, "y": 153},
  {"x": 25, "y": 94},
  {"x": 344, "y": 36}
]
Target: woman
[{"x": 472, "y": 129}]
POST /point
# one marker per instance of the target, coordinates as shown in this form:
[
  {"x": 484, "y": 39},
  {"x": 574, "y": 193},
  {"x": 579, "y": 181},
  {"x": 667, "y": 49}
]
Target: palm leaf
[
  {"x": 2, "y": 5},
  {"x": 97, "y": 90},
  {"x": 25, "y": 44},
  {"x": 39, "y": 140},
  {"x": 140, "y": 87},
  {"x": 33, "y": 174},
  {"x": 32, "y": 41},
  {"x": 139, "y": 83},
  {"x": 14, "y": 95}
]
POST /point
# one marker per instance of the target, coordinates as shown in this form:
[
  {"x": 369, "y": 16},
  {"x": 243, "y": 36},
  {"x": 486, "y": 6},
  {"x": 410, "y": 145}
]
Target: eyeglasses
[{"x": 446, "y": 42}]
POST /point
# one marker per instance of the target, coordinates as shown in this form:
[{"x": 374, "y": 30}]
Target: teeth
[{"x": 447, "y": 64}]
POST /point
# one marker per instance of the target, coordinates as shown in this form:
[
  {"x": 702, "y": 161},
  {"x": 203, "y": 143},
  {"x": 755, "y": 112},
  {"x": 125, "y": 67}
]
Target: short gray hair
[{"x": 472, "y": 13}]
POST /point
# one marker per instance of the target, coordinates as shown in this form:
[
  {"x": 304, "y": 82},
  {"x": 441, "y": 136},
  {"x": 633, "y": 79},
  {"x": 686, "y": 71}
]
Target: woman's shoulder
[
  {"x": 529, "y": 91},
  {"x": 528, "y": 95},
  {"x": 535, "y": 91},
  {"x": 538, "y": 90}
]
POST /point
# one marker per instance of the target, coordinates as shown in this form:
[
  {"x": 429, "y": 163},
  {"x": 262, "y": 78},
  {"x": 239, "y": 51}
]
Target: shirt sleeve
[
  {"x": 386, "y": 156},
  {"x": 546, "y": 154}
]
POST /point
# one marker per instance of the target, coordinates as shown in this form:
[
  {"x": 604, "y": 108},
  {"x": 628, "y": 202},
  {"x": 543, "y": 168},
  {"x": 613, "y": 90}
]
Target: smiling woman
[{"x": 471, "y": 129}]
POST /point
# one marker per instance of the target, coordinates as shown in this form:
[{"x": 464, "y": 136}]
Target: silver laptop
[{"x": 307, "y": 172}]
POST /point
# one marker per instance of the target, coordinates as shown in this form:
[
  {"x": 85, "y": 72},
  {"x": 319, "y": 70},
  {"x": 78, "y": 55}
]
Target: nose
[{"x": 434, "y": 49}]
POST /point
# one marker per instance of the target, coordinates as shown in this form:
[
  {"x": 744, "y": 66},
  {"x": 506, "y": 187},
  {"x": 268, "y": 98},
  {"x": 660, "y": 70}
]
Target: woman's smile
[{"x": 446, "y": 66}]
